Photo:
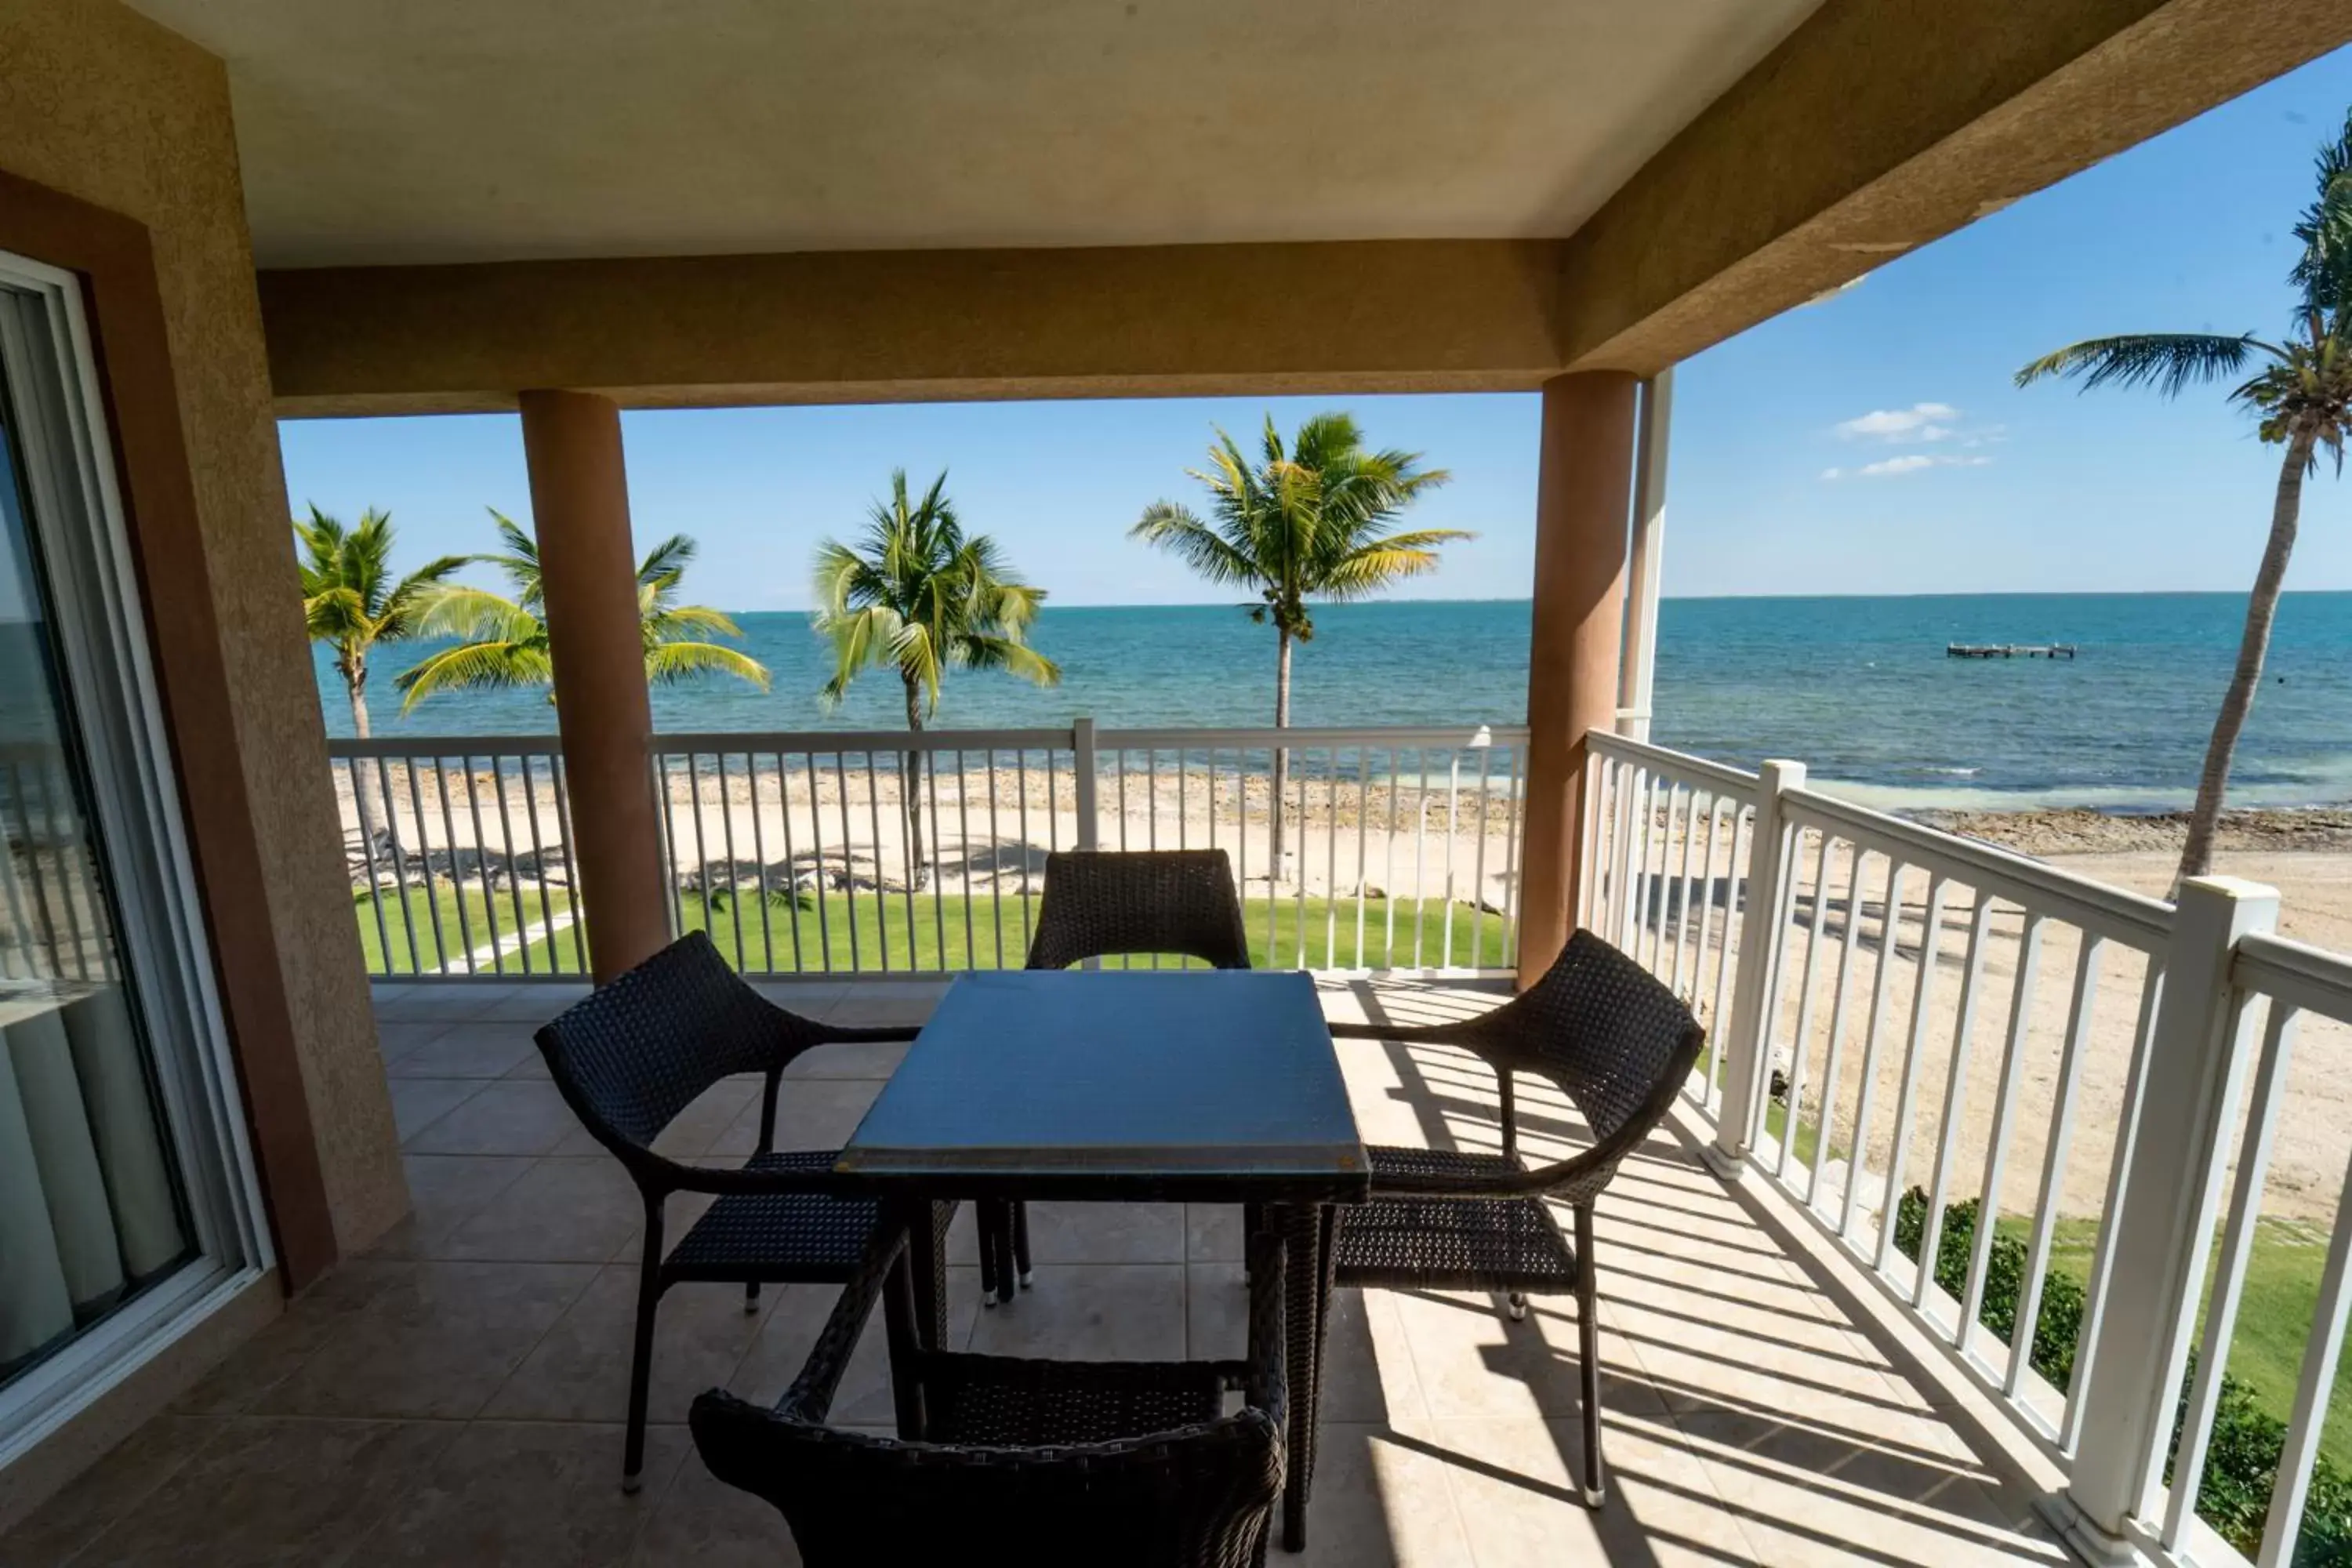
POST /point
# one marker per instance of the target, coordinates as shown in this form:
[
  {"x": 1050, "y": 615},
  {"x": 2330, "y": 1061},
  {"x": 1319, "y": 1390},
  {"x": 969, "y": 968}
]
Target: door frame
[{"x": 112, "y": 259}]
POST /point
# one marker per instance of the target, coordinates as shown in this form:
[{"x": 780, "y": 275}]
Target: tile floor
[{"x": 454, "y": 1398}]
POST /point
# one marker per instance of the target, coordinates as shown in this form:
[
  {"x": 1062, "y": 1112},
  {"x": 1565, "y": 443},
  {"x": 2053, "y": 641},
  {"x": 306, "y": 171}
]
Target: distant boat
[{"x": 2009, "y": 650}]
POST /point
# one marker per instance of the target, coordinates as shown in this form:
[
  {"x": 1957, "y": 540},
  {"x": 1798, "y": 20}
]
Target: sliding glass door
[{"x": 125, "y": 1203}]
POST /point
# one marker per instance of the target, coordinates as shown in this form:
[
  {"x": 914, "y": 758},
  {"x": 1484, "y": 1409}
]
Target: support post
[
  {"x": 1083, "y": 764},
  {"x": 1582, "y": 489},
  {"x": 579, "y": 509},
  {"x": 1637, "y": 682},
  {"x": 1746, "y": 1040},
  {"x": 2163, "y": 1224}
]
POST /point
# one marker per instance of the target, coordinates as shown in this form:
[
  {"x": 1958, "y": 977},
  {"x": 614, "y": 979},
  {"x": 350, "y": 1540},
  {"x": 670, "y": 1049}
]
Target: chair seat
[
  {"x": 1015, "y": 1402},
  {"x": 1460, "y": 1243},
  {"x": 778, "y": 1238}
]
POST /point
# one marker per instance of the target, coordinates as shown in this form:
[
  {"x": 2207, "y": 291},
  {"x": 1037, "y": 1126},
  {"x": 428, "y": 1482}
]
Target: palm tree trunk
[
  {"x": 1281, "y": 756},
  {"x": 910, "y": 776},
  {"x": 354, "y": 673},
  {"x": 2253, "y": 645}
]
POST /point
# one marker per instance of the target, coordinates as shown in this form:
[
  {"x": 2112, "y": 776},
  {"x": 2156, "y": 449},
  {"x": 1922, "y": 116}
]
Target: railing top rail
[
  {"x": 446, "y": 746},
  {"x": 1448, "y": 736},
  {"x": 1729, "y": 780},
  {"x": 2296, "y": 973},
  {"x": 826, "y": 741},
  {"x": 2132, "y": 919}
]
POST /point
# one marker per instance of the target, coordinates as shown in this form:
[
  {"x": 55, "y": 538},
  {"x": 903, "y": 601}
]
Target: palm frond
[
  {"x": 476, "y": 666},
  {"x": 674, "y": 661},
  {"x": 2168, "y": 361},
  {"x": 1369, "y": 570},
  {"x": 1012, "y": 657},
  {"x": 1176, "y": 530},
  {"x": 476, "y": 614}
]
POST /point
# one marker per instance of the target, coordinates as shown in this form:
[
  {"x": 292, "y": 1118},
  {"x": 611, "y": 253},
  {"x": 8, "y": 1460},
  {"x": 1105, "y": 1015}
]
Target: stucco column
[
  {"x": 1582, "y": 489},
  {"x": 580, "y": 506}
]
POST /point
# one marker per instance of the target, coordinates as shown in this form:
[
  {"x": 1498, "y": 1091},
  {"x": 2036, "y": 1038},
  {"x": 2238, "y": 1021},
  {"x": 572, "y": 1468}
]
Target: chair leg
[
  {"x": 751, "y": 1299},
  {"x": 1516, "y": 1301},
  {"x": 1588, "y": 1341},
  {"x": 641, "y": 1361},
  {"x": 983, "y": 1219},
  {"x": 1003, "y": 1239},
  {"x": 1021, "y": 1243}
]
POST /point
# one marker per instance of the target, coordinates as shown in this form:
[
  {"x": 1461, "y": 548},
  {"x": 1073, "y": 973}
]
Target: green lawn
[
  {"x": 868, "y": 934},
  {"x": 451, "y": 938}
]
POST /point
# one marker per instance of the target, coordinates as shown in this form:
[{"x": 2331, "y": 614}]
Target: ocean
[{"x": 1857, "y": 688}]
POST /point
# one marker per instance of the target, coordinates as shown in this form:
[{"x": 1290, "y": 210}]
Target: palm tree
[
  {"x": 351, "y": 602},
  {"x": 1312, "y": 523},
  {"x": 2301, "y": 396},
  {"x": 917, "y": 592},
  {"x": 503, "y": 641}
]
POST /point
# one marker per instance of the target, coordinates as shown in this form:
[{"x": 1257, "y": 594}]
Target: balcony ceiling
[{"x": 442, "y": 130}]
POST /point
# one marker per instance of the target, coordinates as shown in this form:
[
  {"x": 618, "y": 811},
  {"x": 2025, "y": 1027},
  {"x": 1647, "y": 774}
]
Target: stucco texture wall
[{"x": 105, "y": 106}]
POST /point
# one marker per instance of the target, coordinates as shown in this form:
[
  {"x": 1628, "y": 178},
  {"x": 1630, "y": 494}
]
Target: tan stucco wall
[{"x": 104, "y": 106}]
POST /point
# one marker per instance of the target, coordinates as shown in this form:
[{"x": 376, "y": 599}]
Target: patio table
[{"x": 1122, "y": 1086}]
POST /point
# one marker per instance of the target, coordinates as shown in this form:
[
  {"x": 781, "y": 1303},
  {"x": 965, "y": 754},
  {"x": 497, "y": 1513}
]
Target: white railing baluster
[
  {"x": 1833, "y": 1055},
  {"x": 2053, "y": 1160},
  {"x": 2230, "y": 1284},
  {"x": 1956, "y": 1091},
  {"x": 1906, "y": 1094},
  {"x": 2012, "y": 1075},
  {"x": 1801, "y": 1046},
  {"x": 1890, "y": 926},
  {"x": 2312, "y": 1392}
]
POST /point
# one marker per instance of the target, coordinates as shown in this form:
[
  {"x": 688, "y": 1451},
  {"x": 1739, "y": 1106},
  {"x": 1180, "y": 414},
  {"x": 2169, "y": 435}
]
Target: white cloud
[
  {"x": 1832, "y": 473},
  {"x": 1912, "y": 463},
  {"x": 1920, "y": 422}
]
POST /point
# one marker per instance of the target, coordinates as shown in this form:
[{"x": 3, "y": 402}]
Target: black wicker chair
[
  {"x": 1060, "y": 1462},
  {"x": 1620, "y": 1046},
  {"x": 637, "y": 1052},
  {"x": 1103, "y": 903}
]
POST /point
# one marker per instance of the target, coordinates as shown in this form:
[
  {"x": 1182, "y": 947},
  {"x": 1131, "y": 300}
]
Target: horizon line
[{"x": 1678, "y": 599}]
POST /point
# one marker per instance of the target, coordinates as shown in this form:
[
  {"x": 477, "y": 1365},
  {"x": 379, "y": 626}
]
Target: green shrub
[{"x": 2241, "y": 1461}]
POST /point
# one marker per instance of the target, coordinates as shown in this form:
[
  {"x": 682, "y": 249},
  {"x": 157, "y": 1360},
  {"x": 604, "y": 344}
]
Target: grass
[
  {"x": 862, "y": 933},
  {"x": 390, "y": 951},
  {"x": 869, "y": 934}
]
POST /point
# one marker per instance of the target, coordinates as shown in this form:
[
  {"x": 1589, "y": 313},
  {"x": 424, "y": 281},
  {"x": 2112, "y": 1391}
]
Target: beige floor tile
[
  {"x": 468, "y": 1050},
  {"x": 275, "y": 1491},
  {"x": 512, "y": 1116},
  {"x": 1105, "y": 1233},
  {"x": 703, "y": 1522},
  {"x": 536, "y": 1002},
  {"x": 707, "y": 1119},
  {"x": 580, "y": 1372},
  {"x": 444, "y": 1192},
  {"x": 523, "y": 1494},
  {"x": 109, "y": 1491},
  {"x": 418, "y": 1103},
  {"x": 850, "y": 1059},
  {"x": 560, "y": 1211},
  {"x": 443, "y": 1002},
  {"x": 811, "y": 1113},
  {"x": 1367, "y": 1372},
  {"x": 1472, "y": 1361},
  {"x": 1212, "y": 1233},
  {"x": 1381, "y": 1498},
  {"x": 437, "y": 1341},
  {"x": 1518, "y": 1487},
  {"x": 394, "y": 1040},
  {"x": 281, "y": 1349},
  {"x": 534, "y": 1066},
  {"x": 1091, "y": 1311}
]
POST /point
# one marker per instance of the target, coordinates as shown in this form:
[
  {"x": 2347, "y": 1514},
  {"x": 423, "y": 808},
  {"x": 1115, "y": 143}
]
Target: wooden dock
[{"x": 2009, "y": 650}]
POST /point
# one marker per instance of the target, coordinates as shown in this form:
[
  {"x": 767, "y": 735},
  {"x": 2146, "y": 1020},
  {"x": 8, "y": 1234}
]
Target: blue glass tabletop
[{"x": 1131, "y": 1081}]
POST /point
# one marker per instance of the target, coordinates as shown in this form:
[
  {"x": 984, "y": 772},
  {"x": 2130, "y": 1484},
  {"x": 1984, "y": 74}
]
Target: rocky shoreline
[{"x": 2081, "y": 831}]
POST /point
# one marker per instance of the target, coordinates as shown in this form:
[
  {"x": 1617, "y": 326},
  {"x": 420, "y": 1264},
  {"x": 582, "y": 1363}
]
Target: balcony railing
[
  {"x": 1384, "y": 849},
  {"x": 1908, "y": 1027}
]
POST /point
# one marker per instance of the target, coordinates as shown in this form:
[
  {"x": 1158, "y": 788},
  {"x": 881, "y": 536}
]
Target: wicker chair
[
  {"x": 1103, "y": 903},
  {"x": 1621, "y": 1046},
  {"x": 1060, "y": 1462},
  {"x": 637, "y": 1052}
]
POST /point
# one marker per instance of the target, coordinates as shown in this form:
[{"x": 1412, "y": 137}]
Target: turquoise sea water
[{"x": 1860, "y": 689}]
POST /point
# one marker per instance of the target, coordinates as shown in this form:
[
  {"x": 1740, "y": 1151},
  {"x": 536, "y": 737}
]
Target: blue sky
[{"x": 1782, "y": 480}]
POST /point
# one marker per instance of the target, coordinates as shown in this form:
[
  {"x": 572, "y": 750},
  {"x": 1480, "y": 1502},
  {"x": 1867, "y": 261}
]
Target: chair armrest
[
  {"x": 1450, "y": 1033},
  {"x": 856, "y": 1033},
  {"x": 810, "y": 1398}
]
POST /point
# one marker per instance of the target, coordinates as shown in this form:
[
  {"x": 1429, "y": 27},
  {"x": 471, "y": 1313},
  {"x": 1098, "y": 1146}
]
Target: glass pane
[{"x": 92, "y": 1210}]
